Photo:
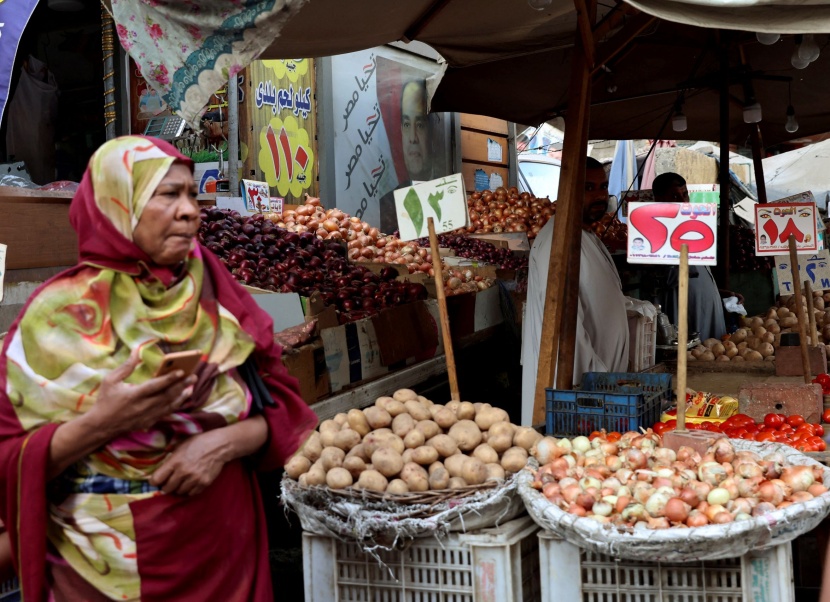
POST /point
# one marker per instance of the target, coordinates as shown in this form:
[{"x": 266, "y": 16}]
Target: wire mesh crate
[
  {"x": 499, "y": 564},
  {"x": 571, "y": 573}
]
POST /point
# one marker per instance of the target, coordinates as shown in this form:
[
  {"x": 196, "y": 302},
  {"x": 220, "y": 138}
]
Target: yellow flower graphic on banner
[
  {"x": 290, "y": 68},
  {"x": 285, "y": 156}
]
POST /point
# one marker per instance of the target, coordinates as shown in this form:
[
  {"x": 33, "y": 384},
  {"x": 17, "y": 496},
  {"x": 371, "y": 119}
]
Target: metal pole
[
  {"x": 757, "y": 163},
  {"x": 108, "y": 48},
  {"x": 233, "y": 136}
]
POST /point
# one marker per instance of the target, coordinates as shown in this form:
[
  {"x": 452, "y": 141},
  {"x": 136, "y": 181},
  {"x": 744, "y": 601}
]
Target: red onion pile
[
  {"x": 480, "y": 250},
  {"x": 636, "y": 483},
  {"x": 261, "y": 254},
  {"x": 505, "y": 210}
]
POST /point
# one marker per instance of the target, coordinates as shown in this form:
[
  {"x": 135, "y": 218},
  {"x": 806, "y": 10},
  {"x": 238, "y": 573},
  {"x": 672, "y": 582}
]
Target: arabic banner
[
  {"x": 13, "y": 19},
  {"x": 656, "y": 231},
  {"x": 282, "y": 113},
  {"x": 775, "y": 222},
  {"x": 383, "y": 137}
]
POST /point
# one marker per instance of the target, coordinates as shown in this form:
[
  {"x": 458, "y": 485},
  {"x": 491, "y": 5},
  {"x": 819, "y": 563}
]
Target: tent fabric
[
  {"x": 623, "y": 169},
  {"x": 798, "y": 171},
  {"x": 649, "y": 170},
  {"x": 768, "y": 16},
  {"x": 188, "y": 50}
]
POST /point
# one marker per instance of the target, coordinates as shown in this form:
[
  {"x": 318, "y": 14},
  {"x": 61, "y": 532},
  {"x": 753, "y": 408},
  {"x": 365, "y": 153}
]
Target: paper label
[
  {"x": 276, "y": 203},
  {"x": 494, "y": 152},
  {"x": 656, "y": 232},
  {"x": 443, "y": 199},
  {"x": 775, "y": 222}
]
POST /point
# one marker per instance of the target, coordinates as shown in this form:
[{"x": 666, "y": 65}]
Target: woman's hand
[
  {"x": 119, "y": 408},
  {"x": 194, "y": 464},
  {"x": 197, "y": 461},
  {"x": 123, "y": 407}
]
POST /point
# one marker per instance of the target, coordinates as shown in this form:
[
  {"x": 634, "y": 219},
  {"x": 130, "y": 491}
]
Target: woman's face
[{"x": 170, "y": 219}]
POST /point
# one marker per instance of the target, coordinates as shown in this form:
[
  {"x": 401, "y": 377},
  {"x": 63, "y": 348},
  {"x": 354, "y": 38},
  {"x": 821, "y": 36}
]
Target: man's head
[
  {"x": 415, "y": 130},
  {"x": 595, "y": 202},
  {"x": 670, "y": 188}
]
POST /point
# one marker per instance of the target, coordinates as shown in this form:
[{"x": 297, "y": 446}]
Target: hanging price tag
[
  {"x": 656, "y": 231},
  {"x": 775, "y": 222}
]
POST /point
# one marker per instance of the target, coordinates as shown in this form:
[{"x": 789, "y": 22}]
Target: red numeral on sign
[{"x": 645, "y": 220}]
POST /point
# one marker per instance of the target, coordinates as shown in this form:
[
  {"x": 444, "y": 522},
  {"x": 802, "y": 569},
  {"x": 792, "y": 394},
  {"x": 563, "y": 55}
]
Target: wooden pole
[
  {"x": 438, "y": 268},
  {"x": 723, "y": 172},
  {"x": 799, "y": 311},
  {"x": 571, "y": 194},
  {"x": 757, "y": 156},
  {"x": 811, "y": 314},
  {"x": 682, "y": 335}
]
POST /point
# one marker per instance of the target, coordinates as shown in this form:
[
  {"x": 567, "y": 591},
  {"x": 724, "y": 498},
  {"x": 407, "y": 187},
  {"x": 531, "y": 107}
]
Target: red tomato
[
  {"x": 747, "y": 435},
  {"x": 752, "y": 428},
  {"x": 817, "y": 442},
  {"x": 767, "y": 429},
  {"x": 765, "y": 436},
  {"x": 786, "y": 428},
  {"x": 825, "y": 417},
  {"x": 740, "y": 420},
  {"x": 659, "y": 428},
  {"x": 804, "y": 447},
  {"x": 819, "y": 429},
  {"x": 781, "y": 437},
  {"x": 671, "y": 424},
  {"x": 823, "y": 380},
  {"x": 795, "y": 420},
  {"x": 773, "y": 420},
  {"x": 594, "y": 435},
  {"x": 692, "y": 426},
  {"x": 614, "y": 436}
]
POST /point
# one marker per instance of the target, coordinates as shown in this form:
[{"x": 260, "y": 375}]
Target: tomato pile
[
  {"x": 824, "y": 381},
  {"x": 778, "y": 428}
]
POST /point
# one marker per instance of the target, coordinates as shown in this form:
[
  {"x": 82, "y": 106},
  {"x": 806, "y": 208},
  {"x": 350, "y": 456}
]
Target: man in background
[
  {"x": 601, "y": 321},
  {"x": 706, "y": 313}
]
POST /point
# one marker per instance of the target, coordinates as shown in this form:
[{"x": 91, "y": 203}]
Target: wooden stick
[
  {"x": 438, "y": 268},
  {"x": 682, "y": 335},
  {"x": 799, "y": 311},
  {"x": 571, "y": 194},
  {"x": 811, "y": 314}
]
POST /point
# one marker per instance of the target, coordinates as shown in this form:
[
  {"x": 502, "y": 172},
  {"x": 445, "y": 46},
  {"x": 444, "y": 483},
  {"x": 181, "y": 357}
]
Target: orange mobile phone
[{"x": 180, "y": 360}]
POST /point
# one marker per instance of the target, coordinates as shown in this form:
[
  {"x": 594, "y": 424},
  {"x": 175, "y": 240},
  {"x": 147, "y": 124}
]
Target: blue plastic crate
[
  {"x": 614, "y": 401},
  {"x": 10, "y": 591}
]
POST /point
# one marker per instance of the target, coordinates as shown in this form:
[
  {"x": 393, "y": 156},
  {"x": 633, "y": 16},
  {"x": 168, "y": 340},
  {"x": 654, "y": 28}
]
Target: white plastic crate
[
  {"x": 642, "y": 343},
  {"x": 574, "y": 574},
  {"x": 500, "y": 564}
]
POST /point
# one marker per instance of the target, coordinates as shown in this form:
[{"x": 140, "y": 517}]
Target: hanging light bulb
[
  {"x": 795, "y": 59},
  {"x": 539, "y": 4},
  {"x": 678, "y": 122},
  {"x": 752, "y": 113},
  {"x": 808, "y": 50},
  {"x": 791, "y": 125},
  {"x": 767, "y": 39}
]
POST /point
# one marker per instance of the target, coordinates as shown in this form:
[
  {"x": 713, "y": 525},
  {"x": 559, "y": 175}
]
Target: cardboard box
[
  {"x": 368, "y": 349},
  {"x": 285, "y": 309},
  {"x": 308, "y": 365}
]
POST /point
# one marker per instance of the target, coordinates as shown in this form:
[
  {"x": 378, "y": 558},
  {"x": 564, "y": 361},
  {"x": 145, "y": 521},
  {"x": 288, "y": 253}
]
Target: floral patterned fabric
[{"x": 188, "y": 49}]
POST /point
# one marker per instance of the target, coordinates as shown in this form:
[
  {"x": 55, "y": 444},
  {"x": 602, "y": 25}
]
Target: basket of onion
[
  {"x": 504, "y": 210},
  {"x": 634, "y": 499}
]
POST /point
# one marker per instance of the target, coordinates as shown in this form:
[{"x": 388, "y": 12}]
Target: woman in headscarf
[{"x": 116, "y": 484}]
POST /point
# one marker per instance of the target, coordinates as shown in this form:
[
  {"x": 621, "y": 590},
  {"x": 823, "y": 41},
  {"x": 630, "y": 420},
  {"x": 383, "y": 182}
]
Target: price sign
[
  {"x": 815, "y": 268},
  {"x": 2, "y": 268},
  {"x": 775, "y": 222},
  {"x": 276, "y": 203},
  {"x": 807, "y": 197},
  {"x": 443, "y": 199},
  {"x": 256, "y": 195},
  {"x": 656, "y": 231}
]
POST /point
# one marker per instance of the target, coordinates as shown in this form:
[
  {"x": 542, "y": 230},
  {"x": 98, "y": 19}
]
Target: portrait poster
[{"x": 383, "y": 137}]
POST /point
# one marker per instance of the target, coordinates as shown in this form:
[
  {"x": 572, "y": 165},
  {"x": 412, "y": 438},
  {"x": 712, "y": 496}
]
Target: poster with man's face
[{"x": 384, "y": 138}]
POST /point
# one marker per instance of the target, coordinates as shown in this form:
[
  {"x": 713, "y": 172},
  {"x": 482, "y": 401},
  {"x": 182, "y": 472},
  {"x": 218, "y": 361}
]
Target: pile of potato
[
  {"x": 406, "y": 443},
  {"x": 743, "y": 345}
]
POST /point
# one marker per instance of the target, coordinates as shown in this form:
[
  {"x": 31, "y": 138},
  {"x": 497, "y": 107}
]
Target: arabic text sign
[
  {"x": 815, "y": 268},
  {"x": 775, "y": 222},
  {"x": 656, "y": 231},
  {"x": 256, "y": 195},
  {"x": 807, "y": 197},
  {"x": 443, "y": 199},
  {"x": 2, "y": 268},
  {"x": 276, "y": 204}
]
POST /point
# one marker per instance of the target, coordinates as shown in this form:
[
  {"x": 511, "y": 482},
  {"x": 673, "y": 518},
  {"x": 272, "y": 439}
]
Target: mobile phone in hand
[{"x": 180, "y": 360}]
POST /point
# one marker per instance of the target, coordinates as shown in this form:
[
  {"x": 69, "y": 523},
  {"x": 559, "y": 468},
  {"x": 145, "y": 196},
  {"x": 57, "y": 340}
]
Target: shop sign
[
  {"x": 443, "y": 199},
  {"x": 283, "y": 123},
  {"x": 775, "y": 222},
  {"x": 815, "y": 268},
  {"x": 656, "y": 232},
  {"x": 256, "y": 194}
]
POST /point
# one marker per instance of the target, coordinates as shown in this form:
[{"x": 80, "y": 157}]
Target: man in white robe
[{"x": 601, "y": 322}]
